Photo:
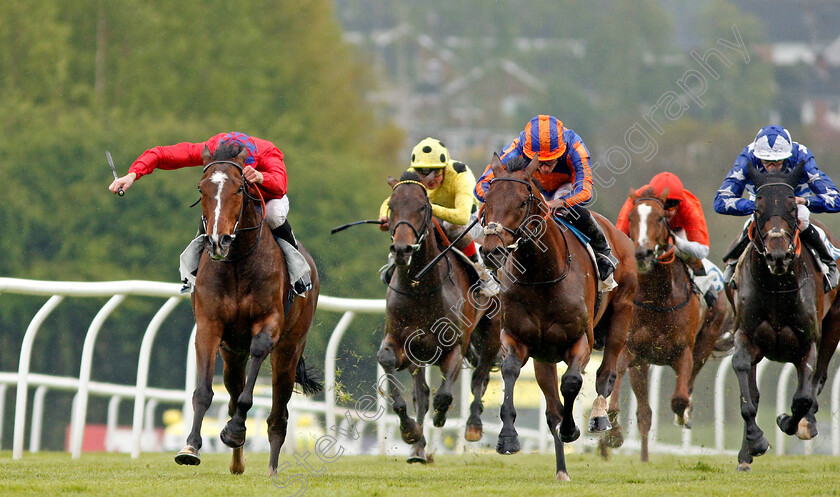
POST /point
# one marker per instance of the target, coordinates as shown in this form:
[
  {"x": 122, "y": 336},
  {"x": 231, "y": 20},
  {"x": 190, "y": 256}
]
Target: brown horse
[
  {"x": 671, "y": 327},
  {"x": 432, "y": 321},
  {"x": 781, "y": 312},
  {"x": 241, "y": 309},
  {"x": 552, "y": 309}
]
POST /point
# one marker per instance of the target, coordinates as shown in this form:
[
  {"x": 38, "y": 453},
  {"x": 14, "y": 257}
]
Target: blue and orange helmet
[{"x": 543, "y": 137}]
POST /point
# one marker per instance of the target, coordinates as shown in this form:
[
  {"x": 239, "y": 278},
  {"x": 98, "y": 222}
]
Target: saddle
[{"x": 603, "y": 286}]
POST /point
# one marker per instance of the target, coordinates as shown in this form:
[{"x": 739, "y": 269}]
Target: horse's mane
[
  {"x": 646, "y": 192},
  {"x": 227, "y": 150},
  {"x": 517, "y": 163},
  {"x": 410, "y": 176}
]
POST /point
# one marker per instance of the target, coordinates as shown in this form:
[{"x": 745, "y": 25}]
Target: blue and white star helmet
[{"x": 772, "y": 143}]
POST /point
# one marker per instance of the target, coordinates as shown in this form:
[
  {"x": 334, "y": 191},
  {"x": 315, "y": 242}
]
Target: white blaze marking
[
  {"x": 644, "y": 211},
  {"x": 219, "y": 178}
]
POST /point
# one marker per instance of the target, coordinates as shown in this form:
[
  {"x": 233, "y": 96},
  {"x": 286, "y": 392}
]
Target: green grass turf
[{"x": 483, "y": 474}]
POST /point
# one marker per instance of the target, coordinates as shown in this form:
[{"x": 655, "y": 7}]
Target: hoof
[
  {"x": 473, "y": 433},
  {"x": 233, "y": 437},
  {"x": 613, "y": 438},
  {"x": 417, "y": 455},
  {"x": 598, "y": 424},
  {"x": 411, "y": 433},
  {"x": 188, "y": 457},
  {"x": 569, "y": 437},
  {"x": 562, "y": 476},
  {"x": 744, "y": 466},
  {"x": 806, "y": 431},
  {"x": 439, "y": 419},
  {"x": 783, "y": 421},
  {"x": 508, "y": 445},
  {"x": 759, "y": 447}
]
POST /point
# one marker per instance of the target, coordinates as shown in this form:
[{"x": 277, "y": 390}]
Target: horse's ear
[
  {"x": 532, "y": 166},
  {"x": 241, "y": 156},
  {"x": 632, "y": 195},
  {"x": 664, "y": 195},
  {"x": 793, "y": 177},
  {"x": 496, "y": 165},
  {"x": 392, "y": 182},
  {"x": 206, "y": 156},
  {"x": 754, "y": 176}
]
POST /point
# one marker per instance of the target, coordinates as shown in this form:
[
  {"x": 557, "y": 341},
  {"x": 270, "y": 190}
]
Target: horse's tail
[{"x": 306, "y": 378}]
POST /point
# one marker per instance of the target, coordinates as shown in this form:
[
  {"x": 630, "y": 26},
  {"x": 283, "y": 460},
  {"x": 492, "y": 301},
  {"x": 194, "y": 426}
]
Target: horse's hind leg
[
  {"x": 234, "y": 378},
  {"x": 617, "y": 319},
  {"x": 283, "y": 367},
  {"x": 421, "y": 407},
  {"x": 480, "y": 378},
  {"x": 644, "y": 414},
  {"x": 206, "y": 345},
  {"x": 546, "y": 375},
  {"x": 680, "y": 398},
  {"x": 743, "y": 362},
  {"x": 233, "y": 434},
  {"x": 805, "y": 397},
  {"x": 614, "y": 438},
  {"x": 450, "y": 369}
]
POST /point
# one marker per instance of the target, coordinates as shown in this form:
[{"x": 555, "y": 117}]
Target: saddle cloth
[{"x": 603, "y": 286}]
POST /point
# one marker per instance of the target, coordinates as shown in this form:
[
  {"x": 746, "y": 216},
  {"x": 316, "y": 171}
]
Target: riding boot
[
  {"x": 582, "y": 219},
  {"x": 196, "y": 251},
  {"x": 711, "y": 298},
  {"x": 386, "y": 272},
  {"x": 489, "y": 286},
  {"x": 731, "y": 257},
  {"x": 284, "y": 232},
  {"x": 812, "y": 238}
]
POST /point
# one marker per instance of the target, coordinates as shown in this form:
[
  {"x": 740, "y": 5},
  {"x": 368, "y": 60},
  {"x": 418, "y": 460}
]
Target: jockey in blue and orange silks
[{"x": 564, "y": 178}]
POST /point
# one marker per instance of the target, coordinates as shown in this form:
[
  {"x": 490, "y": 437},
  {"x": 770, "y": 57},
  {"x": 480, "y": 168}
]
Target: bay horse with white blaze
[
  {"x": 242, "y": 310},
  {"x": 552, "y": 309},
  {"x": 781, "y": 312},
  {"x": 671, "y": 326},
  {"x": 436, "y": 320}
]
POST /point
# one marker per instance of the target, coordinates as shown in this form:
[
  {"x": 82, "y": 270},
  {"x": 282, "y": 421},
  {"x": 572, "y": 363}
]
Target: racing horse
[
  {"x": 552, "y": 309},
  {"x": 670, "y": 325},
  {"x": 436, "y": 320},
  {"x": 781, "y": 312},
  {"x": 242, "y": 309}
]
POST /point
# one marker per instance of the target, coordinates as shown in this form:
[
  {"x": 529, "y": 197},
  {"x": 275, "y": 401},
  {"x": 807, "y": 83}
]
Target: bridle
[
  {"x": 663, "y": 251},
  {"x": 522, "y": 234},
  {"x": 245, "y": 190},
  {"x": 419, "y": 235},
  {"x": 759, "y": 239}
]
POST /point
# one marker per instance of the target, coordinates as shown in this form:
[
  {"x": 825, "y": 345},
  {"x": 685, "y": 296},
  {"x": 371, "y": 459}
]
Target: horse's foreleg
[
  {"x": 680, "y": 397},
  {"x": 234, "y": 378},
  {"x": 450, "y": 369},
  {"x": 514, "y": 356},
  {"x": 480, "y": 378},
  {"x": 387, "y": 358},
  {"x": 804, "y": 399},
  {"x": 206, "y": 345},
  {"x": 743, "y": 363},
  {"x": 644, "y": 414},
  {"x": 233, "y": 434},
  {"x": 283, "y": 367}
]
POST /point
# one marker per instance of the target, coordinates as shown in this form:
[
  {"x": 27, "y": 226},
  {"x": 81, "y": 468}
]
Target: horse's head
[
  {"x": 775, "y": 221},
  {"x": 510, "y": 208},
  {"x": 222, "y": 187},
  {"x": 649, "y": 227},
  {"x": 411, "y": 216}
]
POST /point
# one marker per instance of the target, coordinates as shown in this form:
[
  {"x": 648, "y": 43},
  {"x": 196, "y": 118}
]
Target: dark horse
[
  {"x": 432, "y": 321},
  {"x": 241, "y": 309},
  {"x": 781, "y": 312},
  {"x": 551, "y": 306},
  {"x": 671, "y": 326}
]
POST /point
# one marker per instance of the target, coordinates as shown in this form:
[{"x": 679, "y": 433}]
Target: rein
[
  {"x": 497, "y": 229},
  {"x": 258, "y": 199}
]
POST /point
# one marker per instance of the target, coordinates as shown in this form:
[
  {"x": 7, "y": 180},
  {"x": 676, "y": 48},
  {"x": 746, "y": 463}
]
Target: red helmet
[
  {"x": 543, "y": 137},
  {"x": 670, "y": 181}
]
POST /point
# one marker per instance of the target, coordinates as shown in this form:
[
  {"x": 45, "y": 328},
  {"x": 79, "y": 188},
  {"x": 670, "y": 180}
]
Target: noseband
[
  {"x": 243, "y": 188},
  {"x": 760, "y": 239},
  {"x": 419, "y": 235},
  {"x": 519, "y": 234}
]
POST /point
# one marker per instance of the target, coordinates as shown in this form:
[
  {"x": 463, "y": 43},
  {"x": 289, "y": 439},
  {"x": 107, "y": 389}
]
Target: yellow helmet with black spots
[{"x": 430, "y": 153}]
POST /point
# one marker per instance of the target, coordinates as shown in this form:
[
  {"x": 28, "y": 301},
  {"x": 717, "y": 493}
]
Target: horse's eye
[
  {"x": 523, "y": 204},
  {"x": 199, "y": 189}
]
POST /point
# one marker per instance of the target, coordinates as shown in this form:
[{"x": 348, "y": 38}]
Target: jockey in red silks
[
  {"x": 688, "y": 224},
  {"x": 264, "y": 167},
  {"x": 564, "y": 179}
]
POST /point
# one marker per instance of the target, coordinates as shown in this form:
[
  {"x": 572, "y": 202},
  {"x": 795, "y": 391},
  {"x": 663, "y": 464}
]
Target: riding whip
[
  {"x": 444, "y": 251},
  {"x": 113, "y": 169},
  {"x": 345, "y": 226}
]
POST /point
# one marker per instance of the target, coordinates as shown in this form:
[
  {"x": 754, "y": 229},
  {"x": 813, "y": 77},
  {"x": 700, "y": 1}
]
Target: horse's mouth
[{"x": 645, "y": 265}]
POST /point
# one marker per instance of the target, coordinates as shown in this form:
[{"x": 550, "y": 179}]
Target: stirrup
[
  {"x": 303, "y": 285},
  {"x": 729, "y": 272},
  {"x": 489, "y": 287},
  {"x": 186, "y": 289},
  {"x": 831, "y": 278}
]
